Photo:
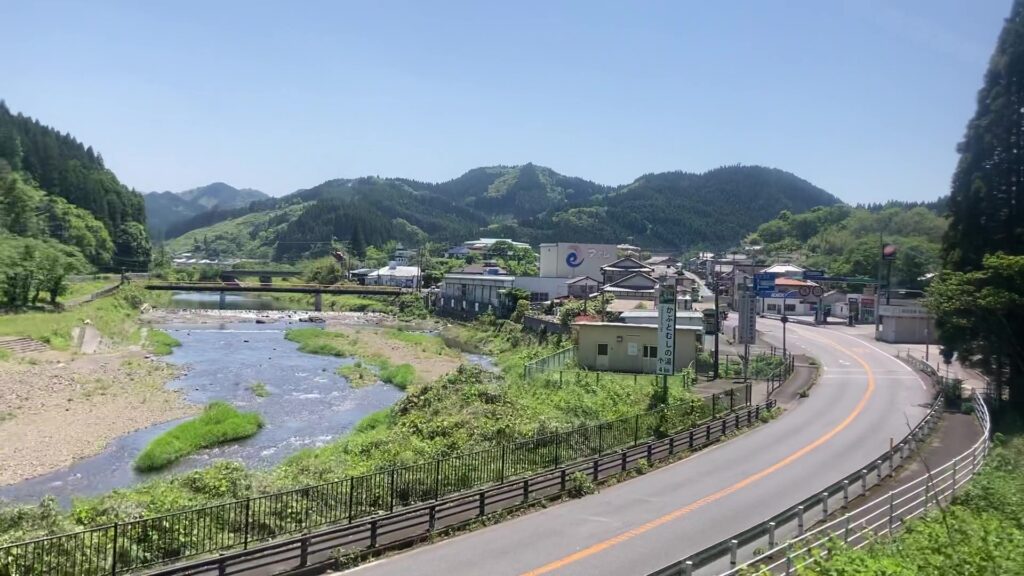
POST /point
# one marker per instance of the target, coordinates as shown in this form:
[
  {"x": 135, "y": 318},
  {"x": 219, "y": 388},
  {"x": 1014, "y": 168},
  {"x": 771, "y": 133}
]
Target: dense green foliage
[
  {"x": 847, "y": 241},
  {"x": 220, "y": 422},
  {"x": 528, "y": 203},
  {"x": 63, "y": 168},
  {"x": 31, "y": 269},
  {"x": 981, "y": 533},
  {"x": 985, "y": 242}
]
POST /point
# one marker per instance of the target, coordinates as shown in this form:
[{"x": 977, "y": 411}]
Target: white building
[
  {"x": 395, "y": 275},
  {"x": 569, "y": 260},
  {"x": 683, "y": 317}
]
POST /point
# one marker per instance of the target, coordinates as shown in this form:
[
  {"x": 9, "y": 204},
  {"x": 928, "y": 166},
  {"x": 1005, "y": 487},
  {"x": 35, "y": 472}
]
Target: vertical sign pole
[{"x": 666, "y": 328}]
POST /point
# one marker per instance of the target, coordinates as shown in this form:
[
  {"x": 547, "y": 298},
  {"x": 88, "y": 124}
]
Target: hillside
[
  {"x": 168, "y": 214},
  {"x": 673, "y": 211},
  {"x": 55, "y": 190}
]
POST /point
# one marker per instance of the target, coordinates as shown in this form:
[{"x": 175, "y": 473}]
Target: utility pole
[
  {"x": 878, "y": 291},
  {"x": 718, "y": 317}
]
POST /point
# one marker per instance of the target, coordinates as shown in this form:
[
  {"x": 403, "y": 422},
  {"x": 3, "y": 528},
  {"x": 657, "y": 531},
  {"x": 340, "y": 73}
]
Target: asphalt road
[{"x": 864, "y": 398}]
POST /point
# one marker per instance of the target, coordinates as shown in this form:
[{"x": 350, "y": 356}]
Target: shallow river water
[{"x": 309, "y": 405}]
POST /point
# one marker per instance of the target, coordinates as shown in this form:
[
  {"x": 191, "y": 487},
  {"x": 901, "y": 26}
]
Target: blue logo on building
[{"x": 572, "y": 259}]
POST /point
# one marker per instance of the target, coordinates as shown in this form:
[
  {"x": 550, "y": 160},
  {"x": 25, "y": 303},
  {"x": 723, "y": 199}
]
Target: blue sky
[{"x": 864, "y": 98}]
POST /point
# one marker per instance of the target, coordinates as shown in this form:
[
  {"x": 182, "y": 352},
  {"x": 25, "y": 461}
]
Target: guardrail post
[
  {"x": 733, "y": 547},
  {"x": 691, "y": 439},
  {"x": 304, "y": 552},
  {"x": 824, "y": 505},
  {"x": 846, "y": 494},
  {"x": 600, "y": 439},
  {"x": 789, "y": 561},
  {"x": 799, "y": 520},
  {"x": 483, "y": 504},
  {"x": 757, "y": 412},
  {"x": 846, "y": 529},
  {"x": 650, "y": 452},
  {"x": 671, "y": 445},
  {"x": 878, "y": 470},
  {"x": 562, "y": 480},
  {"x": 636, "y": 430},
  {"x": 373, "y": 534},
  {"x": 432, "y": 522},
  {"x": 596, "y": 469},
  {"x": 707, "y": 433},
  {"x": 771, "y": 535},
  {"x": 526, "y": 490},
  {"x": 863, "y": 482},
  {"x": 623, "y": 460},
  {"x": 688, "y": 568}
]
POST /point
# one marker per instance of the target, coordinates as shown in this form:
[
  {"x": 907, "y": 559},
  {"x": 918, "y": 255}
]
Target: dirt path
[{"x": 56, "y": 408}]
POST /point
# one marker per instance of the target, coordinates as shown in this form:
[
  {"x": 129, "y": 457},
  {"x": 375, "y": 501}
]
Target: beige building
[{"x": 618, "y": 347}]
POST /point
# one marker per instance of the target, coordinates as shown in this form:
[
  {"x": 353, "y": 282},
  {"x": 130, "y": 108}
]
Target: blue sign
[
  {"x": 764, "y": 282},
  {"x": 573, "y": 259},
  {"x": 812, "y": 274}
]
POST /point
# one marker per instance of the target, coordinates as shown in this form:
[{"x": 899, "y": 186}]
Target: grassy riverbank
[
  {"x": 219, "y": 423},
  {"x": 161, "y": 343},
  {"x": 466, "y": 409},
  {"x": 981, "y": 533}
]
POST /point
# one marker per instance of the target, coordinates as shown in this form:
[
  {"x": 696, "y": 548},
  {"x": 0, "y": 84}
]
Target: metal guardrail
[
  {"x": 137, "y": 544},
  {"x": 419, "y": 522},
  {"x": 881, "y": 516}
]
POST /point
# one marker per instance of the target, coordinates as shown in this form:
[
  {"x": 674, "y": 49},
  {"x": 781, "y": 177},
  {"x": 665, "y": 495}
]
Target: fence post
[
  {"x": 600, "y": 438},
  {"x": 846, "y": 529},
  {"x": 636, "y": 429},
  {"x": 846, "y": 494},
  {"x": 248, "y": 506},
  {"x": 483, "y": 503},
  {"x": 526, "y": 490},
  {"x": 688, "y": 568},
  {"x": 952, "y": 488},
  {"x": 863, "y": 482},
  {"x": 891, "y": 513},
  {"x": 733, "y": 546},
  {"x": 799, "y": 520},
  {"x": 113, "y": 558},
  {"x": 373, "y": 534},
  {"x": 771, "y": 535},
  {"x": 504, "y": 447},
  {"x": 437, "y": 474},
  {"x": 671, "y": 445},
  {"x": 351, "y": 495},
  {"x": 561, "y": 481},
  {"x": 824, "y": 505},
  {"x": 714, "y": 404},
  {"x": 391, "y": 483},
  {"x": 691, "y": 439}
]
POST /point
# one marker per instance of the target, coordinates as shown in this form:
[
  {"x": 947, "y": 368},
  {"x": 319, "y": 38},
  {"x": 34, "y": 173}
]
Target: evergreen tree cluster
[
  {"x": 39, "y": 157},
  {"x": 979, "y": 300}
]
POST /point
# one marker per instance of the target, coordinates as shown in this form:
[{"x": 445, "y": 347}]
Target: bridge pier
[
  {"x": 318, "y": 302},
  {"x": 223, "y": 300}
]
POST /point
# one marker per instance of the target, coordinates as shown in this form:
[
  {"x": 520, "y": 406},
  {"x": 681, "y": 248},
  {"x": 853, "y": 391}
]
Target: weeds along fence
[
  {"x": 147, "y": 542},
  {"x": 555, "y": 361}
]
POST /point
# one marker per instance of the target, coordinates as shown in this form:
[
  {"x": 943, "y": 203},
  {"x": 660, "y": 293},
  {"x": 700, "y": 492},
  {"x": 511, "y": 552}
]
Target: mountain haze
[{"x": 167, "y": 213}]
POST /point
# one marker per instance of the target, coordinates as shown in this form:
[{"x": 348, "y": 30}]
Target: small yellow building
[{"x": 618, "y": 347}]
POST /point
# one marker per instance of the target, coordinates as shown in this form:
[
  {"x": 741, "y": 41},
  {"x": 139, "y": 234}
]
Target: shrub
[
  {"x": 580, "y": 485},
  {"x": 219, "y": 423},
  {"x": 400, "y": 376},
  {"x": 162, "y": 343}
]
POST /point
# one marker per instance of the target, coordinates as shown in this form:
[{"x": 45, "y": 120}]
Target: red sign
[{"x": 867, "y": 302}]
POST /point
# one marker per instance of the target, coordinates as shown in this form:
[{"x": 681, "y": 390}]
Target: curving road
[{"x": 863, "y": 399}]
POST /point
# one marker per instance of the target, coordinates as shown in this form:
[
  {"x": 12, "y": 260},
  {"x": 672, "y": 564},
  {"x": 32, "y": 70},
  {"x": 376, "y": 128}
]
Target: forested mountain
[
  {"x": 847, "y": 241},
  {"x": 55, "y": 191},
  {"x": 170, "y": 214},
  {"x": 532, "y": 204}
]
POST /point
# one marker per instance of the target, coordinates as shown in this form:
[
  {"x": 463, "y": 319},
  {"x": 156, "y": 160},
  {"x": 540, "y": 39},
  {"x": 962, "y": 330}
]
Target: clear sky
[{"x": 865, "y": 98}]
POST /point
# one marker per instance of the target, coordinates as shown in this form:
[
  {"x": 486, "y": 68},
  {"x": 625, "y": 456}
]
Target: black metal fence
[{"x": 138, "y": 544}]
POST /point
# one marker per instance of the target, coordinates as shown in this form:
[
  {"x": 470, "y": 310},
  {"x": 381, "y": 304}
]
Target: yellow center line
[{"x": 680, "y": 512}]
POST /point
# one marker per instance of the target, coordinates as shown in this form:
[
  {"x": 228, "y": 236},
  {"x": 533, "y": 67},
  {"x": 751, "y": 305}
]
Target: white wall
[
  {"x": 590, "y": 259},
  {"x": 554, "y": 287}
]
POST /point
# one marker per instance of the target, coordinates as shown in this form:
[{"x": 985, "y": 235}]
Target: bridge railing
[
  {"x": 782, "y": 544},
  {"x": 130, "y": 546}
]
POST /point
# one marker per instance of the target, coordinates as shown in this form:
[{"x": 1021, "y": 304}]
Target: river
[{"x": 309, "y": 405}]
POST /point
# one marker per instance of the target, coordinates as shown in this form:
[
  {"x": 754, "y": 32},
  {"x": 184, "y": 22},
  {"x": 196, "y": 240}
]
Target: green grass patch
[
  {"x": 358, "y": 374},
  {"x": 161, "y": 343},
  {"x": 400, "y": 376},
  {"x": 78, "y": 290},
  {"x": 429, "y": 343},
  {"x": 219, "y": 423},
  {"x": 259, "y": 389},
  {"x": 322, "y": 342},
  {"x": 4, "y": 355}
]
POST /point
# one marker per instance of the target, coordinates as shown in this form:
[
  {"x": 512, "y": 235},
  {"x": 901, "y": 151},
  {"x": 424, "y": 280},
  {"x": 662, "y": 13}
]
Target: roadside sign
[
  {"x": 667, "y": 328},
  {"x": 818, "y": 291},
  {"x": 889, "y": 252},
  {"x": 812, "y": 274},
  {"x": 805, "y": 291},
  {"x": 764, "y": 282},
  {"x": 748, "y": 319}
]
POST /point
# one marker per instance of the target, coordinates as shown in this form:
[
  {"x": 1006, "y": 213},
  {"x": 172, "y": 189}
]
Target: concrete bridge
[{"x": 317, "y": 290}]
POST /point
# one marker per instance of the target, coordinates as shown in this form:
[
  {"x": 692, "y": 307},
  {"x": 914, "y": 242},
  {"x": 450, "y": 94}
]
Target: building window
[
  {"x": 539, "y": 297},
  {"x": 602, "y": 349},
  {"x": 790, "y": 307},
  {"x": 773, "y": 307},
  {"x": 650, "y": 351}
]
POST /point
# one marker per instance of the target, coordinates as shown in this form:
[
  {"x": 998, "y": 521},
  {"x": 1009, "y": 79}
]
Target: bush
[
  {"x": 400, "y": 376},
  {"x": 219, "y": 423},
  {"x": 580, "y": 485}
]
